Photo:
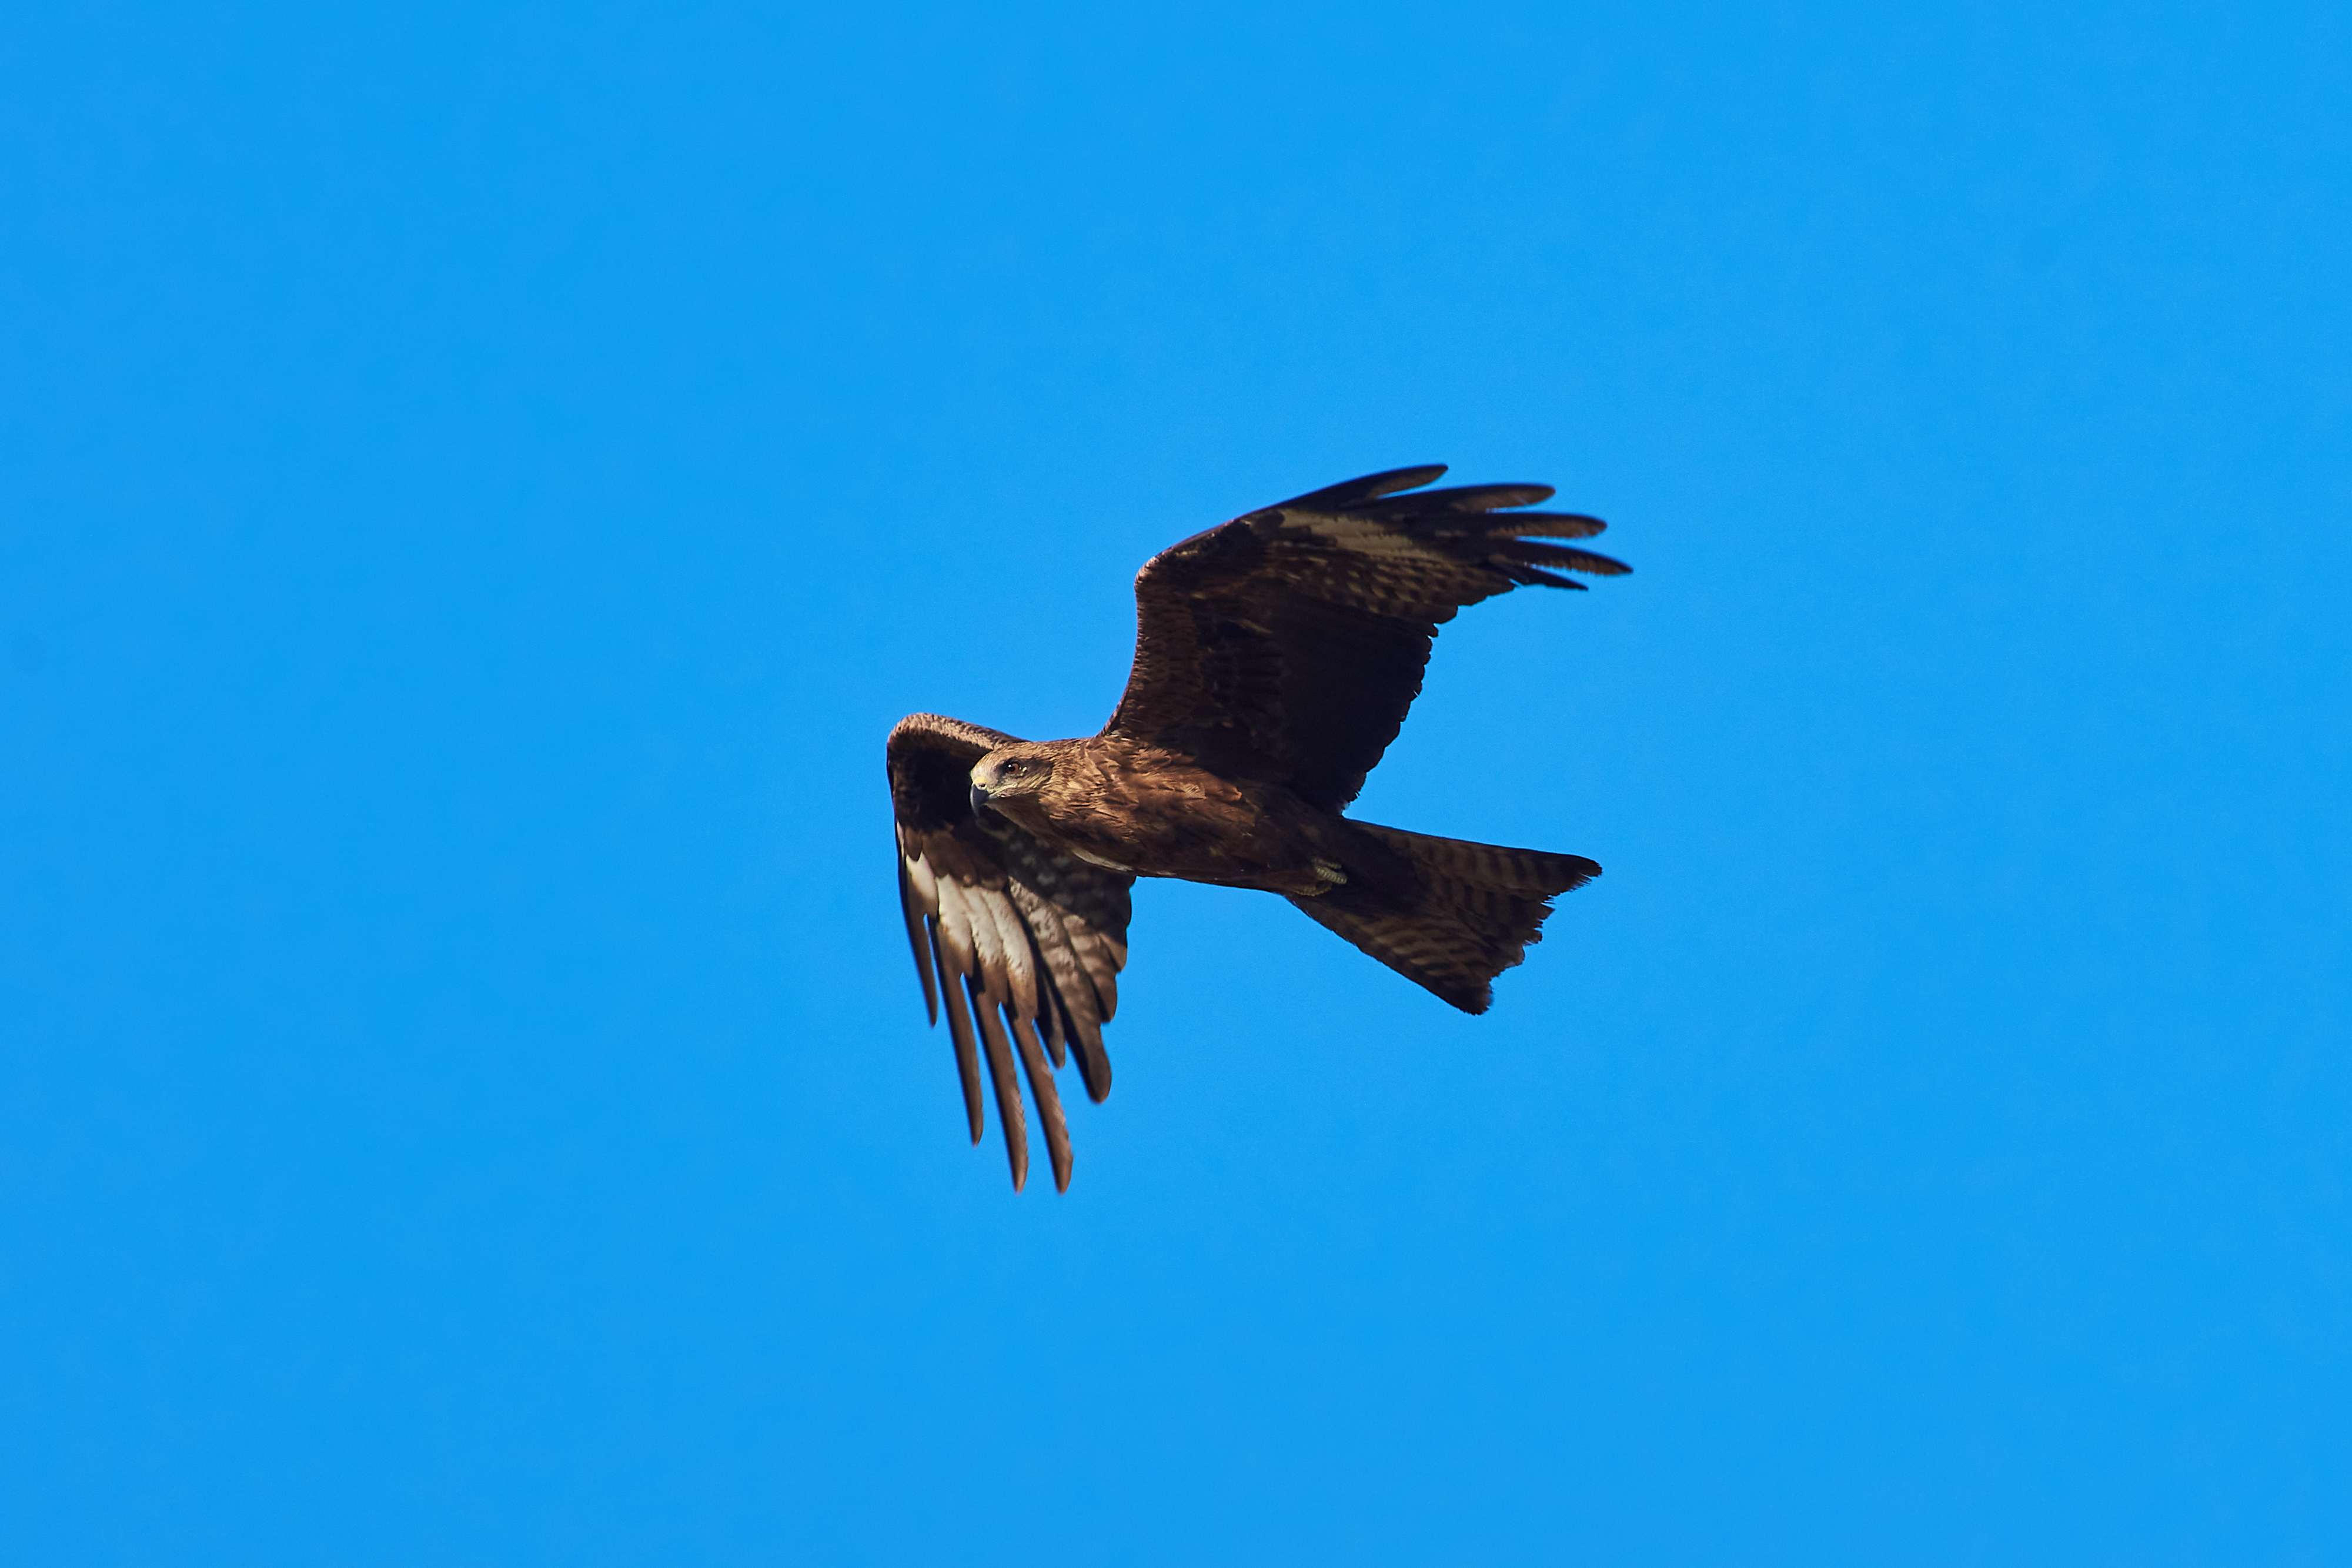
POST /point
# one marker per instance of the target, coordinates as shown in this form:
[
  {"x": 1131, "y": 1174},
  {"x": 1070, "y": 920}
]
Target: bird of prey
[{"x": 1275, "y": 658}]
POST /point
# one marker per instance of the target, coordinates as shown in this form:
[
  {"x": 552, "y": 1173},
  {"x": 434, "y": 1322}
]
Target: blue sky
[{"x": 477, "y": 485}]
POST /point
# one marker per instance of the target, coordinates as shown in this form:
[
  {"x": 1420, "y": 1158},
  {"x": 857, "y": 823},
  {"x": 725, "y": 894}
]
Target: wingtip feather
[
  {"x": 1365, "y": 488},
  {"x": 967, "y": 1055},
  {"x": 1010, "y": 1118},
  {"x": 1049, "y": 1102},
  {"x": 918, "y": 938}
]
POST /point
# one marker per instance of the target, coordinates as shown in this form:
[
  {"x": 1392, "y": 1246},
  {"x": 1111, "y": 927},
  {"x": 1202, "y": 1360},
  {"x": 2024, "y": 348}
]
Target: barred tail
[{"x": 1446, "y": 913}]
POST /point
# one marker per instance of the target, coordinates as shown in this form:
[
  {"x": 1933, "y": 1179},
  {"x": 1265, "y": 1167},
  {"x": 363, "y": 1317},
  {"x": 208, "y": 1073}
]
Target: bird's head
[{"x": 1010, "y": 772}]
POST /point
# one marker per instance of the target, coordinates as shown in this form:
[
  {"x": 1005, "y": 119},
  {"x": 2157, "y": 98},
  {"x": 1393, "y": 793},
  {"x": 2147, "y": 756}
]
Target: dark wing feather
[
  {"x": 1286, "y": 646},
  {"x": 1023, "y": 942}
]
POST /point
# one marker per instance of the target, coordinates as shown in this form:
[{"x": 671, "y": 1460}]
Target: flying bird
[{"x": 1275, "y": 656}]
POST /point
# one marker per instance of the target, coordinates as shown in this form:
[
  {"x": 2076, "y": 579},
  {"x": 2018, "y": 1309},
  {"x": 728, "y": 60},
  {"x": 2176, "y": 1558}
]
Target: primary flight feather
[{"x": 1275, "y": 656}]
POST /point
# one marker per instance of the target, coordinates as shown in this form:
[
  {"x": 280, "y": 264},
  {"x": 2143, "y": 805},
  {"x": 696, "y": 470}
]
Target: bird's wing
[
  {"x": 1023, "y": 942},
  {"x": 1287, "y": 645}
]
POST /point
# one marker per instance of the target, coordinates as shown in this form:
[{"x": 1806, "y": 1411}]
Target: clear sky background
[{"x": 477, "y": 484}]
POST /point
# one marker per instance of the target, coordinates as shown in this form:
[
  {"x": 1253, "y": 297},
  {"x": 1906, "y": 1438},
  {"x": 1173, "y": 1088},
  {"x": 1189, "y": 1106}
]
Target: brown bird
[{"x": 1275, "y": 656}]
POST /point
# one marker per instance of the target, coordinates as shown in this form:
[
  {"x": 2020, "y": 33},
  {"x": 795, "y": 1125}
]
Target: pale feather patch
[
  {"x": 926, "y": 886},
  {"x": 1362, "y": 536},
  {"x": 1097, "y": 860},
  {"x": 955, "y": 931},
  {"x": 1013, "y": 938}
]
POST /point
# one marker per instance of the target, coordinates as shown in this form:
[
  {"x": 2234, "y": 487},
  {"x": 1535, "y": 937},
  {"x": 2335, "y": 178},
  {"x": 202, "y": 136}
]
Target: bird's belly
[{"x": 1229, "y": 843}]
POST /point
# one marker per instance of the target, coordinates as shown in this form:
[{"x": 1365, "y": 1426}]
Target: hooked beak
[{"x": 979, "y": 799}]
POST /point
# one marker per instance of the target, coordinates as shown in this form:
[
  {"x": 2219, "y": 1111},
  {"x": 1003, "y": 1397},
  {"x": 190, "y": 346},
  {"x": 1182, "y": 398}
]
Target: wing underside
[{"x": 1019, "y": 942}]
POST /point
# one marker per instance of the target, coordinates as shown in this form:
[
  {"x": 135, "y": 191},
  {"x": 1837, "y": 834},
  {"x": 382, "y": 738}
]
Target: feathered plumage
[{"x": 1275, "y": 658}]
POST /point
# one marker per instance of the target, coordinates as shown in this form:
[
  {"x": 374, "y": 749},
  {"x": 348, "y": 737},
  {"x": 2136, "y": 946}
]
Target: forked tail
[{"x": 1446, "y": 913}]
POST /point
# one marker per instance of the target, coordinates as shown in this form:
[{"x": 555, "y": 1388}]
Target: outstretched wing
[
  {"x": 1023, "y": 941},
  {"x": 1287, "y": 645}
]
